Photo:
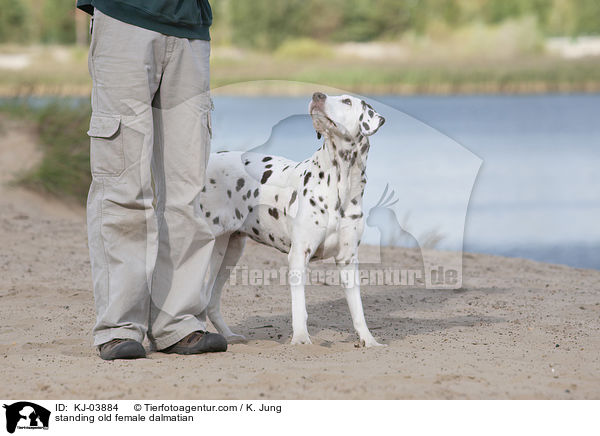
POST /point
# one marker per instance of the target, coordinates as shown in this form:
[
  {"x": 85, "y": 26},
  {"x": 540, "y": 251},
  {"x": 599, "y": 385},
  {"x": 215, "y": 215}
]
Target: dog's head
[{"x": 344, "y": 116}]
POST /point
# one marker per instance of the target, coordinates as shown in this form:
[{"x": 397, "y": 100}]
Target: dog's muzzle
[
  {"x": 319, "y": 97},
  {"x": 317, "y": 112},
  {"x": 317, "y": 103}
]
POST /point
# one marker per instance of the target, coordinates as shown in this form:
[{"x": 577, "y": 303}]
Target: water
[
  {"x": 531, "y": 164},
  {"x": 538, "y": 192}
]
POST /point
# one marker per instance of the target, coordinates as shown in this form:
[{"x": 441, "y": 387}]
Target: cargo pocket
[{"x": 106, "y": 146}]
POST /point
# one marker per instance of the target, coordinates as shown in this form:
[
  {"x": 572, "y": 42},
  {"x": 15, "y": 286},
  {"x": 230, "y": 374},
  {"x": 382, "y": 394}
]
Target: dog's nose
[{"x": 318, "y": 97}]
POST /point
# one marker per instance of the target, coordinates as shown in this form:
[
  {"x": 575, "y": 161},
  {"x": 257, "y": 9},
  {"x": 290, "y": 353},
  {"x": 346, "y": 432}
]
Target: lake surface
[
  {"x": 538, "y": 191},
  {"x": 508, "y": 175}
]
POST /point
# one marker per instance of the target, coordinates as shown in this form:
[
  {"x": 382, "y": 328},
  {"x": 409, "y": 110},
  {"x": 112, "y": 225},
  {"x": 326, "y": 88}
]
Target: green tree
[
  {"x": 497, "y": 11},
  {"x": 58, "y": 25},
  {"x": 588, "y": 17},
  {"x": 266, "y": 24},
  {"x": 13, "y": 21},
  {"x": 364, "y": 20}
]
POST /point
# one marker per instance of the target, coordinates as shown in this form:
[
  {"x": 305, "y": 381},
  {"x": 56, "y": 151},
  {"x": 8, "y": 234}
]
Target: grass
[
  {"x": 304, "y": 48},
  {"x": 525, "y": 75},
  {"x": 414, "y": 66},
  {"x": 65, "y": 168}
]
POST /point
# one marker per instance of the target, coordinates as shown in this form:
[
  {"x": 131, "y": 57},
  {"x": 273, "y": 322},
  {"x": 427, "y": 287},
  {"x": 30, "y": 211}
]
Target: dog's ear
[{"x": 370, "y": 121}]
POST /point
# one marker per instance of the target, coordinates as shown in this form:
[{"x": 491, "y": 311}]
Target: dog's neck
[{"x": 346, "y": 159}]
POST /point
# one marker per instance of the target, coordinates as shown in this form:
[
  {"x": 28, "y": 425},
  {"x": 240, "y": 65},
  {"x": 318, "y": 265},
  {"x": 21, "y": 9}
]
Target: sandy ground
[{"x": 517, "y": 329}]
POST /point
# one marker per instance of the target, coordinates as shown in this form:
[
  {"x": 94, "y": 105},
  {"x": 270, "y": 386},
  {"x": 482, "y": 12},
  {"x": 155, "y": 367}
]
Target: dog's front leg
[
  {"x": 297, "y": 262},
  {"x": 350, "y": 281}
]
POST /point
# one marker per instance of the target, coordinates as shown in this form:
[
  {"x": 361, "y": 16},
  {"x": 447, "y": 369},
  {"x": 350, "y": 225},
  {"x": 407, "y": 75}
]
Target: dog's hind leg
[{"x": 234, "y": 251}]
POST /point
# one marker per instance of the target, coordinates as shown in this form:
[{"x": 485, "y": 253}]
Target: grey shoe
[
  {"x": 122, "y": 349},
  {"x": 198, "y": 342}
]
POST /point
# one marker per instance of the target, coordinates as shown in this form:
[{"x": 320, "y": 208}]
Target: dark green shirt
[{"x": 183, "y": 18}]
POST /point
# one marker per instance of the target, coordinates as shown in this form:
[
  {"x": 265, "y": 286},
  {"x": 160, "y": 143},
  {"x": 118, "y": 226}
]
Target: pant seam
[{"x": 106, "y": 263}]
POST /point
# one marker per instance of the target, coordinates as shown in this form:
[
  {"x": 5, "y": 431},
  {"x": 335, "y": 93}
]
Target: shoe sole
[{"x": 211, "y": 343}]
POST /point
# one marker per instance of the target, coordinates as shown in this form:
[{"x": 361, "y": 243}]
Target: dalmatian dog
[{"x": 309, "y": 210}]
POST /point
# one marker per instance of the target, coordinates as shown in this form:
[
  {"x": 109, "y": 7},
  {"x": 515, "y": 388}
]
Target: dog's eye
[{"x": 347, "y": 101}]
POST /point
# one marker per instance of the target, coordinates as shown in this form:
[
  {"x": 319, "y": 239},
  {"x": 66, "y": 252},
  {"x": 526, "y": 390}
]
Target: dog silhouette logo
[{"x": 26, "y": 415}]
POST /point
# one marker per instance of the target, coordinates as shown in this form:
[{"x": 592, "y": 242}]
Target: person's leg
[
  {"x": 180, "y": 292},
  {"x": 126, "y": 64}
]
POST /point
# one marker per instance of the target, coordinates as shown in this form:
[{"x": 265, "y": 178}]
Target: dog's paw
[
  {"x": 301, "y": 339},
  {"x": 236, "y": 339},
  {"x": 370, "y": 342}
]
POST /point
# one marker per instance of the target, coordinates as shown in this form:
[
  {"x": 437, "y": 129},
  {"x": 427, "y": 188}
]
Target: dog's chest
[{"x": 308, "y": 210}]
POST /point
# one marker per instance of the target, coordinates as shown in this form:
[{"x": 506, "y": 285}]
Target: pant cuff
[
  {"x": 107, "y": 335},
  {"x": 184, "y": 329}
]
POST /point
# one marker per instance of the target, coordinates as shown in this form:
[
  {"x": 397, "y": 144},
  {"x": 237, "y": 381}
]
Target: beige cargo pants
[{"x": 150, "y": 133}]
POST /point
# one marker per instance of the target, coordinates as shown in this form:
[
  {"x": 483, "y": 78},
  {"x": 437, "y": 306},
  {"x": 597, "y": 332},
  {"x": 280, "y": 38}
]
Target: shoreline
[{"x": 242, "y": 90}]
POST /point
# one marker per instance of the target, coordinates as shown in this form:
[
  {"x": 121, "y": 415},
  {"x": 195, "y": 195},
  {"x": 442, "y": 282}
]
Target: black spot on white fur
[
  {"x": 266, "y": 176},
  {"x": 240, "y": 184},
  {"x": 307, "y": 178}
]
